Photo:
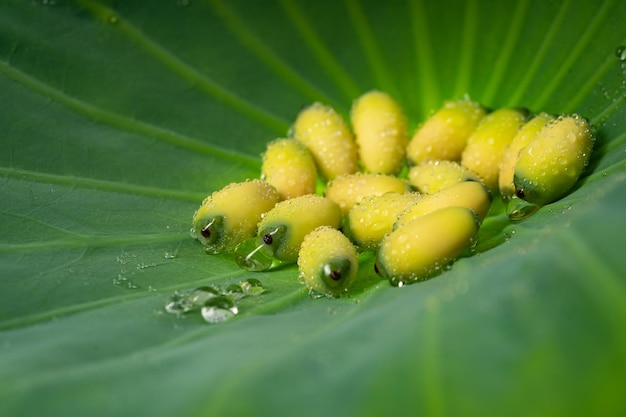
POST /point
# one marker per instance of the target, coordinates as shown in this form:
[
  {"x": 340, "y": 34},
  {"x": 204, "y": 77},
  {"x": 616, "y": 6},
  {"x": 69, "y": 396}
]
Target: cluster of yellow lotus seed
[{"x": 416, "y": 202}]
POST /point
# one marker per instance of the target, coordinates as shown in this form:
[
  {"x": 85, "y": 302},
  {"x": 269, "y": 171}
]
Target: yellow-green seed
[
  {"x": 434, "y": 175},
  {"x": 299, "y": 216},
  {"x": 289, "y": 167},
  {"x": 374, "y": 216},
  {"x": 381, "y": 133},
  {"x": 469, "y": 194},
  {"x": 327, "y": 262},
  {"x": 445, "y": 133},
  {"x": 485, "y": 147},
  {"x": 549, "y": 166},
  {"x": 324, "y": 132},
  {"x": 229, "y": 216},
  {"x": 424, "y": 246},
  {"x": 347, "y": 190},
  {"x": 523, "y": 137}
]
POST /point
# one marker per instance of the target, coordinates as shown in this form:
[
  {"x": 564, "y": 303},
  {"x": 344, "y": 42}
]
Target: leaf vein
[
  {"x": 123, "y": 122},
  {"x": 371, "y": 48},
  {"x": 574, "y": 55},
  {"x": 184, "y": 70},
  {"x": 424, "y": 56},
  {"x": 102, "y": 185},
  {"x": 467, "y": 41},
  {"x": 271, "y": 59},
  {"x": 501, "y": 63},
  {"x": 539, "y": 57},
  {"x": 333, "y": 69}
]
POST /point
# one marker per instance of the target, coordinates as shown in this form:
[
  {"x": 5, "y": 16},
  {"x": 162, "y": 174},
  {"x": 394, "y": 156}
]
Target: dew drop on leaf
[
  {"x": 219, "y": 309},
  {"x": 235, "y": 291},
  {"x": 252, "y": 287},
  {"x": 178, "y": 304},
  {"x": 199, "y": 296},
  {"x": 216, "y": 315},
  {"x": 519, "y": 209}
]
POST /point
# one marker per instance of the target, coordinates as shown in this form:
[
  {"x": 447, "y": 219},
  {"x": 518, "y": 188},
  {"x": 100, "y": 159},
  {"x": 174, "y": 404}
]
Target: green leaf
[{"x": 119, "y": 117}]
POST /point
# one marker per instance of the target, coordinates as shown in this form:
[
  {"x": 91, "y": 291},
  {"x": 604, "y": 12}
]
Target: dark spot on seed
[
  {"x": 335, "y": 275},
  {"x": 206, "y": 232},
  {"x": 268, "y": 239}
]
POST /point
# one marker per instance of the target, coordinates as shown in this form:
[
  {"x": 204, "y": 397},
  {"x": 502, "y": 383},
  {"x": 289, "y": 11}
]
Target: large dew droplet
[
  {"x": 199, "y": 296},
  {"x": 257, "y": 253},
  {"x": 219, "y": 309},
  {"x": 254, "y": 256}
]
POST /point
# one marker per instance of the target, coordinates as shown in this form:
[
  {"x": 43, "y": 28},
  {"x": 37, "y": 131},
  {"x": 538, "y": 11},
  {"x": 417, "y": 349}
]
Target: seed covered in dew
[
  {"x": 327, "y": 262},
  {"x": 282, "y": 229},
  {"x": 444, "y": 134},
  {"x": 523, "y": 137},
  {"x": 469, "y": 194},
  {"x": 289, "y": 167},
  {"x": 348, "y": 190},
  {"x": 485, "y": 147},
  {"x": 381, "y": 133},
  {"x": 423, "y": 247},
  {"x": 229, "y": 216},
  {"x": 325, "y": 195},
  {"x": 374, "y": 216},
  {"x": 434, "y": 175},
  {"x": 327, "y": 136},
  {"x": 549, "y": 166}
]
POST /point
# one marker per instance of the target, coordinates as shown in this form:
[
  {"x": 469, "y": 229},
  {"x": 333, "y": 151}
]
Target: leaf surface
[{"x": 118, "y": 118}]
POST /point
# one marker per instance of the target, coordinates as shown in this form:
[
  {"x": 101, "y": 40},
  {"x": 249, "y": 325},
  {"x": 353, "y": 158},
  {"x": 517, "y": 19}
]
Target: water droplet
[
  {"x": 178, "y": 304},
  {"x": 219, "y": 309},
  {"x": 123, "y": 258},
  {"x": 169, "y": 255},
  {"x": 199, "y": 296},
  {"x": 252, "y": 256},
  {"x": 119, "y": 279},
  {"x": 113, "y": 19},
  {"x": 518, "y": 209},
  {"x": 257, "y": 253},
  {"x": 216, "y": 315},
  {"x": 313, "y": 293},
  {"x": 252, "y": 287},
  {"x": 620, "y": 53},
  {"x": 396, "y": 282},
  {"x": 144, "y": 265},
  {"x": 235, "y": 291}
]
